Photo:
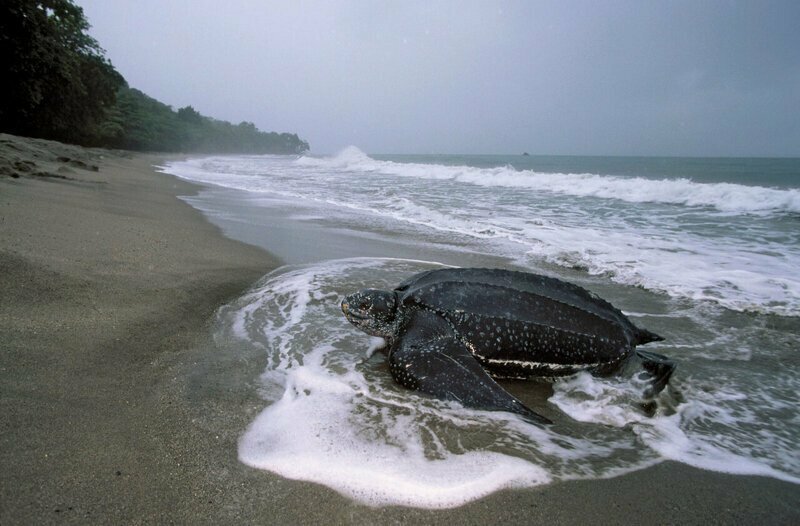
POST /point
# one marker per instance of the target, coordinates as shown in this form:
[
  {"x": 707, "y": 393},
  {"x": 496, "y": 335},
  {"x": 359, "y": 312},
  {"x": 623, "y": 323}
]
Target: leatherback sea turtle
[{"x": 449, "y": 331}]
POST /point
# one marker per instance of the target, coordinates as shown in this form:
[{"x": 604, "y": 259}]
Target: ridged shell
[{"x": 521, "y": 324}]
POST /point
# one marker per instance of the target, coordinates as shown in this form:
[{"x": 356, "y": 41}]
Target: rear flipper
[
  {"x": 658, "y": 368},
  {"x": 430, "y": 359}
]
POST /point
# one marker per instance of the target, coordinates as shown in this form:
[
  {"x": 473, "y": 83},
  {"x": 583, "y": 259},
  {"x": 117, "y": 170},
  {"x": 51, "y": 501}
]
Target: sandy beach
[{"x": 118, "y": 407}]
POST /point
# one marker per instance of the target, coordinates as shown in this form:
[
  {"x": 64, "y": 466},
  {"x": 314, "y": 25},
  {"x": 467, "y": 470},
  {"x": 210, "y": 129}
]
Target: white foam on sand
[
  {"x": 335, "y": 417},
  {"x": 309, "y": 434},
  {"x": 330, "y": 425},
  {"x": 711, "y": 430}
]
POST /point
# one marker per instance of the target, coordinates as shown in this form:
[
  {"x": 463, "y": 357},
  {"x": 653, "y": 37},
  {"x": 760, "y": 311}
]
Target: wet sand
[{"x": 117, "y": 406}]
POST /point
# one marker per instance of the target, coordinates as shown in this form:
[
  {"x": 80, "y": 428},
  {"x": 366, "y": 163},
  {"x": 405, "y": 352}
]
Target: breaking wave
[
  {"x": 725, "y": 197},
  {"x": 634, "y": 235}
]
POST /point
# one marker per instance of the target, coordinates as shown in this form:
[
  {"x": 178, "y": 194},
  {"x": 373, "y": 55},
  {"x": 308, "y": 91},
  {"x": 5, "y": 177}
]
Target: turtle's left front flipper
[{"x": 429, "y": 358}]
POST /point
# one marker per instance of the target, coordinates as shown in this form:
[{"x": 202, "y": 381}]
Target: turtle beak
[{"x": 345, "y": 306}]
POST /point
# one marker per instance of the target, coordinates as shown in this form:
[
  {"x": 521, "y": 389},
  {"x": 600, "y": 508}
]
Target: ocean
[{"x": 704, "y": 252}]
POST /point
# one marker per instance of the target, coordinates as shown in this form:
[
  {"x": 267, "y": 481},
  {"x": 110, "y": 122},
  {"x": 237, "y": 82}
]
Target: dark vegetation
[
  {"x": 139, "y": 122},
  {"x": 56, "y": 83}
]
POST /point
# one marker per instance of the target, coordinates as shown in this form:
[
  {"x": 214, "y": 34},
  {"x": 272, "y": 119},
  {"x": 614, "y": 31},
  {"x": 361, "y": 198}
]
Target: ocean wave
[
  {"x": 725, "y": 197},
  {"x": 743, "y": 262}
]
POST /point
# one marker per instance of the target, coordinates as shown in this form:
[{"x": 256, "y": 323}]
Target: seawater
[{"x": 702, "y": 251}]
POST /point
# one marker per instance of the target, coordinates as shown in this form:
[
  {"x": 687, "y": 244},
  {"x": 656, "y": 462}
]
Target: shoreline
[
  {"x": 109, "y": 286},
  {"x": 117, "y": 407}
]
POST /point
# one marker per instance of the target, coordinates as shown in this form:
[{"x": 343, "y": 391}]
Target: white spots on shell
[
  {"x": 525, "y": 325},
  {"x": 514, "y": 348}
]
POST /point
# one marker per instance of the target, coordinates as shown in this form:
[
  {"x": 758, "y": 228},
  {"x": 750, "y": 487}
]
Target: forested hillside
[
  {"x": 57, "y": 84},
  {"x": 139, "y": 122}
]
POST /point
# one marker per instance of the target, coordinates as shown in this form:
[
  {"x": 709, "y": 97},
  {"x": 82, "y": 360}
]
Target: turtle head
[{"x": 371, "y": 310}]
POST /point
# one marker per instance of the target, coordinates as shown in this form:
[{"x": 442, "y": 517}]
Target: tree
[
  {"x": 139, "y": 122},
  {"x": 56, "y": 81},
  {"x": 190, "y": 115}
]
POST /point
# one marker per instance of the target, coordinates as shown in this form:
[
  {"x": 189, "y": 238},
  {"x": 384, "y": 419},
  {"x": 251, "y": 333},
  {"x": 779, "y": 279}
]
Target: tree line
[{"x": 57, "y": 84}]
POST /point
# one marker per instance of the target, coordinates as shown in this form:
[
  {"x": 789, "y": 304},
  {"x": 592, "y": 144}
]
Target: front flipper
[{"x": 429, "y": 358}]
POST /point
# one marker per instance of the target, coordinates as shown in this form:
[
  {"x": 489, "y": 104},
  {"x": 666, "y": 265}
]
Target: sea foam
[
  {"x": 725, "y": 197},
  {"x": 335, "y": 417},
  {"x": 331, "y": 425},
  {"x": 731, "y": 244}
]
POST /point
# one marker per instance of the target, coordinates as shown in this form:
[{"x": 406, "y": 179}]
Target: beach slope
[
  {"x": 118, "y": 407},
  {"x": 108, "y": 284}
]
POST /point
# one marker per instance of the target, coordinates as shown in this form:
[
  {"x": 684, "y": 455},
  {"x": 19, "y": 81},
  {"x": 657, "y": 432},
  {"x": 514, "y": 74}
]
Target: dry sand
[{"x": 117, "y": 407}]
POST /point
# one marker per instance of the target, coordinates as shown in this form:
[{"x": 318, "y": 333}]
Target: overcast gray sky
[{"x": 568, "y": 77}]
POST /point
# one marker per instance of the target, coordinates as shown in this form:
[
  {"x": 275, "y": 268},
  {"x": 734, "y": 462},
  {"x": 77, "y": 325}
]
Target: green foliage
[
  {"x": 56, "y": 82},
  {"x": 139, "y": 122}
]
